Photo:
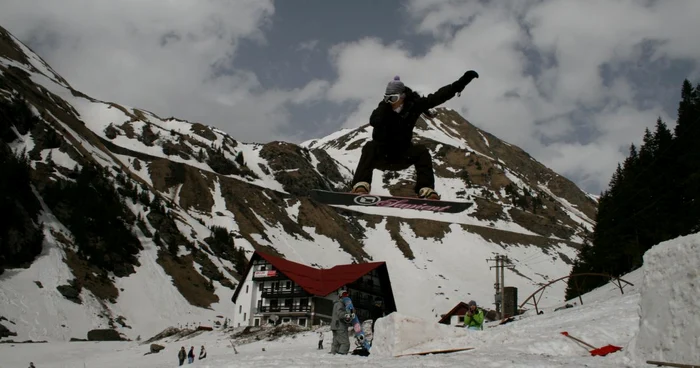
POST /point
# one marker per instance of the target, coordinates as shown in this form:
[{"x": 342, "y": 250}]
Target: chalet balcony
[
  {"x": 295, "y": 292},
  {"x": 284, "y": 309}
]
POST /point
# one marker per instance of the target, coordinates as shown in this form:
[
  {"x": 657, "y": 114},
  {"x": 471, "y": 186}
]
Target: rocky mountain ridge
[{"x": 136, "y": 222}]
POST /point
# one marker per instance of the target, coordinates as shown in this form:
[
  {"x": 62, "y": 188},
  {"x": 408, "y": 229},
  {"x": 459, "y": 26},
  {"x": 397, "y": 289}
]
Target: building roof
[
  {"x": 315, "y": 281},
  {"x": 459, "y": 310}
]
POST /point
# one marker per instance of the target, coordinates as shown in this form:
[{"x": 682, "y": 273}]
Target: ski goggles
[{"x": 392, "y": 98}]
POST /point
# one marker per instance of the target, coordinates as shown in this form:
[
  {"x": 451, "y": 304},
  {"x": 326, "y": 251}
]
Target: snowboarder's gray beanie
[
  {"x": 395, "y": 86},
  {"x": 472, "y": 303}
]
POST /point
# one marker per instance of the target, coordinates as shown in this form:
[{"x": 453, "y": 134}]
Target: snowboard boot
[
  {"x": 428, "y": 193},
  {"x": 361, "y": 187}
]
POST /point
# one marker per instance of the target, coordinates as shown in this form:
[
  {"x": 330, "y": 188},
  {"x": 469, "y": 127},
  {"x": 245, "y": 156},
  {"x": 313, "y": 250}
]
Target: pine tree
[
  {"x": 653, "y": 196},
  {"x": 687, "y": 155}
]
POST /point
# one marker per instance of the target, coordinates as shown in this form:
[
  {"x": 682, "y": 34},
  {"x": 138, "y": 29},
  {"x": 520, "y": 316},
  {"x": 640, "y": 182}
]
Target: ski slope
[{"x": 630, "y": 320}]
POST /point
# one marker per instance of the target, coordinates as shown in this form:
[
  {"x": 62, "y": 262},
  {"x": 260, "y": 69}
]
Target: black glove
[{"x": 464, "y": 80}]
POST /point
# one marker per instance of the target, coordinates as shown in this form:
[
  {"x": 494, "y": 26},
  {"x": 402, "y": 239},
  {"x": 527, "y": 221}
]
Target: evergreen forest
[{"x": 653, "y": 196}]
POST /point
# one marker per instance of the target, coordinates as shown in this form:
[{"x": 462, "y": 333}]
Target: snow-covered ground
[{"x": 634, "y": 321}]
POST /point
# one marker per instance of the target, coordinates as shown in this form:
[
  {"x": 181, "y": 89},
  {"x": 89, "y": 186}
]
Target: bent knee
[
  {"x": 369, "y": 146},
  {"x": 420, "y": 149}
]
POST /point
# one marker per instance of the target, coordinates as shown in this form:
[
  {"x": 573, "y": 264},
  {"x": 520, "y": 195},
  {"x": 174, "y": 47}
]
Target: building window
[
  {"x": 246, "y": 289},
  {"x": 245, "y": 316},
  {"x": 260, "y": 287},
  {"x": 240, "y": 309},
  {"x": 289, "y": 285},
  {"x": 286, "y": 320},
  {"x": 302, "y": 322},
  {"x": 256, "y": 322},
  {"x": 304, "y": 302}
]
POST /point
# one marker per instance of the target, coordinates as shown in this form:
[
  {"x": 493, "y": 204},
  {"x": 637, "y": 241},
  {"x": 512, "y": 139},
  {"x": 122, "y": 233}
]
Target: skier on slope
[
  {"x": 393, "y": 121},
  {"x": 339, "y": 325}
]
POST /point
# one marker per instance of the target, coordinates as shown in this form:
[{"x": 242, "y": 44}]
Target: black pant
[
  {"x": 416, "y": 155},
  {"x": 320, "y": 344}
]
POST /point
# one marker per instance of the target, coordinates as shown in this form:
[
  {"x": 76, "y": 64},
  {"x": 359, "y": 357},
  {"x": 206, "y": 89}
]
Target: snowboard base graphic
[
  {"x": 384, "y": 201},
  {"x": 360, "y": 339}
]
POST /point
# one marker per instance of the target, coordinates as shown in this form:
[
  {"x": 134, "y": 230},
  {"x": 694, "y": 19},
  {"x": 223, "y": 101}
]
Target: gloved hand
[
  {"x": 464, "y": 80},
  {"x": 471, "y": 75}
]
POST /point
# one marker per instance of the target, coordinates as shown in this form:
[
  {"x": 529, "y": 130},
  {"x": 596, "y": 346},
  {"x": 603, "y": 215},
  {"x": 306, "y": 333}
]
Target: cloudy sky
[{"x": 572, "y": 82}]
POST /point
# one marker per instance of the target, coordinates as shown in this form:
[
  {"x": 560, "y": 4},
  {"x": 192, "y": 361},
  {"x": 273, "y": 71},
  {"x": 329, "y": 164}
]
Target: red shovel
[{"x": 602, "y": 351}]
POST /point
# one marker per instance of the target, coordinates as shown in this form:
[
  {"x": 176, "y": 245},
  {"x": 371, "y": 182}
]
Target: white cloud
[
  {"x": 174, "y": 58},
  {"x": 555, "y": 104}
]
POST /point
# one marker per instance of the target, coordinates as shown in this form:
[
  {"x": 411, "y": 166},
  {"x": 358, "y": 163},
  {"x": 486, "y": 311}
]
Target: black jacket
[
  {"x": 376, "y": 312},
  {"x": 393, "y": 131}
]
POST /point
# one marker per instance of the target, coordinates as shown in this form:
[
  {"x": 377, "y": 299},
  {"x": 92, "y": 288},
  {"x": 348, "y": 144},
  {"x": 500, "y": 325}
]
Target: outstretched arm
[{"x": 445, "y": 93}]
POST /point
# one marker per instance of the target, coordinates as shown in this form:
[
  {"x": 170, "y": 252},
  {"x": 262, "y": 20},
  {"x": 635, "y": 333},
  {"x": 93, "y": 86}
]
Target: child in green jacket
[{"x": 474, "y": 319}]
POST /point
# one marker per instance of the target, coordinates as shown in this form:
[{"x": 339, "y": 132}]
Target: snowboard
[
  {"x": 356, "y": 325},
  {"x": 374, "y": 200}
]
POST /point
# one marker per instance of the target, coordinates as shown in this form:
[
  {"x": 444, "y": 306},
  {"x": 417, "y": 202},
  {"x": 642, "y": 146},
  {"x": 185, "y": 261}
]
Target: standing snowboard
[
  {"x": 356, "y": 326},
  {"x": 373, "y": 200}
]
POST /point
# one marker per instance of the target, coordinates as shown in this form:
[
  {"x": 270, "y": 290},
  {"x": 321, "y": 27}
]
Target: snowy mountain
[{"x": 137, "y": 222}]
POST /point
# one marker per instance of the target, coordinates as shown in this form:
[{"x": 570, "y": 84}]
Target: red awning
[{"x": 320, "y": 282}]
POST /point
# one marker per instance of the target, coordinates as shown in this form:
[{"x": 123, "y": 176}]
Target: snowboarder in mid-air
[{"x": 393, "y": 121}]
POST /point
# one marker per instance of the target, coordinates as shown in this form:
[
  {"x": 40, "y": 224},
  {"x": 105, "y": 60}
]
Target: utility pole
[
  {"x": 499, "y": 286},
  {"x": 503, "y": 287}
]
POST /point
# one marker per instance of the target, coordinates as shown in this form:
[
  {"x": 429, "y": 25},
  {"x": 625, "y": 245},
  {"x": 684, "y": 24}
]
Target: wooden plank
[
  {"x": 445, "y": 351},
  {"x": 667, "y": 364}
]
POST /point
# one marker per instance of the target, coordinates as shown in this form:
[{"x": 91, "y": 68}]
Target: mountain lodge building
[
  {"x": 455, "y": 317},
  {"x": 274, "y": 290}
]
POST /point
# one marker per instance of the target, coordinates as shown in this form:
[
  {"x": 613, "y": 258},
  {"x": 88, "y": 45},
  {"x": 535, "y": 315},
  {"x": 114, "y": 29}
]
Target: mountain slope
[{"x": 147, "y": 222}]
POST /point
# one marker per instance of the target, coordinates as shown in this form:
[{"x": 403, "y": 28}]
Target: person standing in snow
[
  {"x": 339, "y": 326},
  {"x": 391, "y": 147},
  {"x": 181, "y": 355},
  {"x": 474, "y": 319},
  {"x": 190, "y": 355},
  {"x": 320, "y": 340},
  {"x": 377, "y": 311},
  {"x": 31, "y": 365},
  {"x": 202, "y": 353}
]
